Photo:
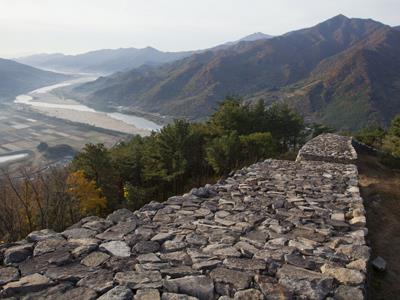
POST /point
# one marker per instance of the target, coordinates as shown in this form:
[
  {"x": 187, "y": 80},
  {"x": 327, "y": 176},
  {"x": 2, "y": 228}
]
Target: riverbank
[{"x": 44, "y": 101}]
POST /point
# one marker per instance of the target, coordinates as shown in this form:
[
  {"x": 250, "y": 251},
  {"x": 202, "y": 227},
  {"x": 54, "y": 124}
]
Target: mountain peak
[
  {"x": 340, "y": 17},
  {"x": 256, "y": 36}
]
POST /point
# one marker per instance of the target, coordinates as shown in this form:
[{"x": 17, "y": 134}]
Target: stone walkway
[{"x": 275, "y": 230}]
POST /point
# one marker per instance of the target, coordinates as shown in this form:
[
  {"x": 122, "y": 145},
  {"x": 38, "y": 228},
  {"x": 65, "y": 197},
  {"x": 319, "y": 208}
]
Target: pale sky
[{"x": 76, "y": 26}]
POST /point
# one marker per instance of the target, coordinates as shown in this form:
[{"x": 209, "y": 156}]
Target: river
[
  {"x": 12, "y": 157},
  {"x": 44, "y": 101}
]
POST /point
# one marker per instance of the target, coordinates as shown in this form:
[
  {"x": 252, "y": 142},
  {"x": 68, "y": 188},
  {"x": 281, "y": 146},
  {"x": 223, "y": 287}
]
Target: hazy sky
[{"x": 74, "y": 26}]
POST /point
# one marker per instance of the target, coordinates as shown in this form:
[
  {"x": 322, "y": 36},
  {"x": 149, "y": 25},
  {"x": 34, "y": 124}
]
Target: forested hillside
[{"x": 341, "y": 72}]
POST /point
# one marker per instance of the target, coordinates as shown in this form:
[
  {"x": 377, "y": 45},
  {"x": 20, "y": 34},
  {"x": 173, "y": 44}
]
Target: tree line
[
  {"x": 386, "y": 141},
  {"x": 182, "y": 155}
]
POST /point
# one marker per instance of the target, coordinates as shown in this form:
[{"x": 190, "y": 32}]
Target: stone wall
[
  {"x": 329, "y": 148},
  {"x": 275, "y": 230}
]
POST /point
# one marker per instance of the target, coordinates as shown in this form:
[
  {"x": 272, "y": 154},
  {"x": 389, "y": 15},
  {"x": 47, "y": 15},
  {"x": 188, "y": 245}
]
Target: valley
[
  {"x": 22, "y": 130},
  {"x": 43, "y": 117}
]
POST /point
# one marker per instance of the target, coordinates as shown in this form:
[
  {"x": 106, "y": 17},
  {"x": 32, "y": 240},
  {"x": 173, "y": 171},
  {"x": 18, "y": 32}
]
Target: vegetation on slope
[
  {"x": 181, "y": 156},
  {"x": 342, "y": 72},
  {"x": 16, "y": 79}
]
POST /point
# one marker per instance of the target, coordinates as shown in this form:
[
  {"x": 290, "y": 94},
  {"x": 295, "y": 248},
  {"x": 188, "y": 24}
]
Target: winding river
[{"x": 44, "y": 101}]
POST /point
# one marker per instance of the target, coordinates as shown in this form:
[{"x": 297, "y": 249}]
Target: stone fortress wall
[{"x": 274, "y": 230}]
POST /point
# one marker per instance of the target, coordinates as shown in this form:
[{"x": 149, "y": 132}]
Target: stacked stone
[
  {"x": 329, "y": 148},
  {"x": 275, "y": 230}
]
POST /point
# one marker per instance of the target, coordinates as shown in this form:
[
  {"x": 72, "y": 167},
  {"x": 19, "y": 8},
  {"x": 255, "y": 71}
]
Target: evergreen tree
[
  {"x": 223, "y": 153},
  {"x": 95, "y": 162},
  {"x": 391, "y": 142}
]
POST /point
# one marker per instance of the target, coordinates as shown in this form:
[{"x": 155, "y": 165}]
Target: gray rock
[
  {"x": 100, "y": 281},
  {"x": 201, "y": 287},
  {"x": 144, "y": 247},
  {"x": 116, "y": 248},
  {"x": 80, "y": 293},
  {"x": 95, "y": 259},
  {"x": 148, "y": 258},
  {"x": 355, "y": 251},
  {"x": 233, "y": 280},
  {"x": 343, "y": 275},
  {"x": 347, "y": 292},
  {"x": 271, "y": 289},
  {"x": 120, "y": 264},
  {"x": 310, "y": 284},
  {"x": 17, "y": 254},
  {"x": 43, "y": 234},
  {"x": 170, "y": 246},
  {"x": 98, "y": 226},
  {"x": 8, "y": 274},
  {"x": 248, "y": 294},
  {"x": 55, "y": 292},
  {"x": 48, "y": 245},
  {"x": 118, "y": 293},
  {"x": 174, "y": 296},
  {"x": 78, "y": 233},
  {"x": 121, "y": 215},
  {"x": 60, "y": 257},
  {"x": 203, "y": 192},
  {"x": 117, "y": 232},
  {"x": 206, "y": 264},
  {"x": 162, "y": 236},
  {"x": 139, "y": 280},
  {"x": 379, "y": 264},
  {"x": 299, "y": 261},
  {"x": 72, "y": 273},
  {"x": 28, "y": 284},
  {"x": 149, "y": 294},
  {"x": 179, "y": 271},
  {"x": 245, "y": 264}
]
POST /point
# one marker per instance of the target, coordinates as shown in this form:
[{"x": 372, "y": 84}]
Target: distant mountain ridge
[
  {"x": 16, "y": 79},
  {"x": 108, "y": 61},
  {"x": 332, "y": 72},
  {"x": 105, "y": 61}
]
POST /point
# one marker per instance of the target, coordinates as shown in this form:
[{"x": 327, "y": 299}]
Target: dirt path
[{"x": 380, "y": 188}]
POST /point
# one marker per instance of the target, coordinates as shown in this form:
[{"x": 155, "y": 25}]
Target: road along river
[{"x": 43, "y": 101}]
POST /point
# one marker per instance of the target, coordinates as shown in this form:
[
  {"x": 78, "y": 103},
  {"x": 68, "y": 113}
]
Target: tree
[
  {"x": 166, "y": 155},
  {"x": 127, "y": 158},
  {"x": 285, "y": 125},
  {"x": 223, "y": 153},
  {"x": 86, "y": 193},
  {"x": 391, "y": 142},
  {"x": 95, "y": 162},
  {"x": 372, "y": 136},
  {"x": 232, "y": 115},
  {"x": 257, "y": 146}
]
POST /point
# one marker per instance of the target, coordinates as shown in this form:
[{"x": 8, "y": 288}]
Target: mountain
[
  {"x": 341, "y": 72},
  {"x": 108, "y": 61},
  {"x": 397, "y": 27},
  {"x": 105, "y": 61},
  {"x": 249, "y": 38},
  {"x": 256, "y": 36},
  {"x": 16, "y": 79}
]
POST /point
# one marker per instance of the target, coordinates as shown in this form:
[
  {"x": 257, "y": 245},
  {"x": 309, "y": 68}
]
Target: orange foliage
[{"x": 86, "y": 192}]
